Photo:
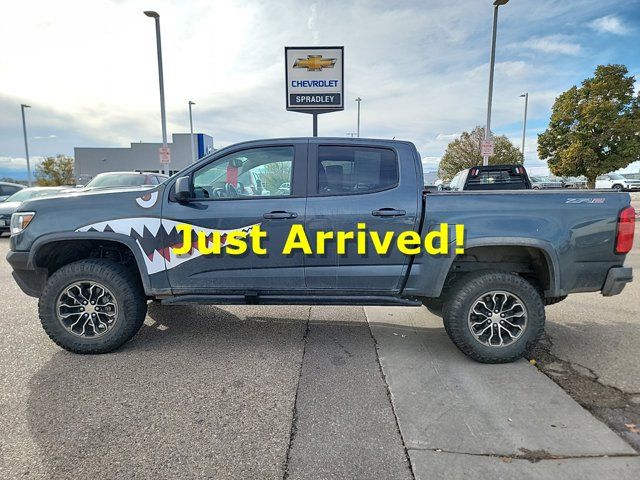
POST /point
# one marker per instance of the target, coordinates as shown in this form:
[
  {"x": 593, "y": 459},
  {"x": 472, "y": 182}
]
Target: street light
[
  {"x": 524, "y": 124},
  {"x": 358, "y": 129},
  {"x": 193, "y": 159},
  {"x": 492, "y": 63},
  {"x": 26, "y": 144},
  {"x": 163, "y": 116}
]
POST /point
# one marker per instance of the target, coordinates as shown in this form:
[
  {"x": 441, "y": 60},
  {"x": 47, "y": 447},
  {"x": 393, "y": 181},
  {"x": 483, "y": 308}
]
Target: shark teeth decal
[{"x": 157, "y": 245}]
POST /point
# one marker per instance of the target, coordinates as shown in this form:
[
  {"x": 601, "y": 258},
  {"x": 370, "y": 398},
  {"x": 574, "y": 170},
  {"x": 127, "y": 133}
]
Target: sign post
[{"x": 315, "y": 80}]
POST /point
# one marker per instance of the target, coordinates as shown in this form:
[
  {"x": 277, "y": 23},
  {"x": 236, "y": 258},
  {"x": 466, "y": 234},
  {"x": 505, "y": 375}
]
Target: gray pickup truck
[{"x": 95, "y": 259}]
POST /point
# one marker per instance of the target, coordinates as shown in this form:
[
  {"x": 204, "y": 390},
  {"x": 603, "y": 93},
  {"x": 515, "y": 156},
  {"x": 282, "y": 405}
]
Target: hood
[
  {"x": 9, "y": 207},
  {"x": 67, "y": 213}
]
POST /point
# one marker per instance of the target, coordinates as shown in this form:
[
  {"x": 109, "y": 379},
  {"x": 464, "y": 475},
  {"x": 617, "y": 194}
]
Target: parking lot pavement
[
  {"x": 345, "y": 426},
  {"x": 591, "y": 349},
  {"x": 485, "y": 418},
  {"x": 200, "y": 392}
]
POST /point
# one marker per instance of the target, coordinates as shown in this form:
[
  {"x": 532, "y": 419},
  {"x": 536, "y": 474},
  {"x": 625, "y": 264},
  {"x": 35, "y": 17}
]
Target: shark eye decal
[{"x": 147, "y": 200}]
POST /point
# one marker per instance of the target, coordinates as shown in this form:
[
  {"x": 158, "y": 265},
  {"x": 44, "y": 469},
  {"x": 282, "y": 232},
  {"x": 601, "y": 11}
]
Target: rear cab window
[{"x": 496, "y": 179}]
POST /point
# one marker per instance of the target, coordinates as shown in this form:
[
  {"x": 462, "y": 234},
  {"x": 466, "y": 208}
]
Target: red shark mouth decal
[{"x": 157, "y": 239}]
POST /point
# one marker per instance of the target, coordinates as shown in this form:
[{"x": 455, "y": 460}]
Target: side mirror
[{"x": 183, "y": 189}]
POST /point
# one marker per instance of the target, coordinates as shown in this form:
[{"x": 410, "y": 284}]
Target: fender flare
[
  {"x": 551, "y": 256},
  {"x": 127, "y": 241}
]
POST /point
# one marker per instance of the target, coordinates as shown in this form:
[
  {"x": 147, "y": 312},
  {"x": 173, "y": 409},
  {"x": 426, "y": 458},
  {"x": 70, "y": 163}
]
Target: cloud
[
  {"x": 609, "y": 24},
  {"x": 560, "y": 44},
  {"x": 447, "y": 137},
  {"x": 422, "y": 72},
  {"x": 16, "y": 167}
]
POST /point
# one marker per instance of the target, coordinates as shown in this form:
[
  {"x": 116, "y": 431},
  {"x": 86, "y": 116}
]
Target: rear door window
[{"x": 345, "y": 170}]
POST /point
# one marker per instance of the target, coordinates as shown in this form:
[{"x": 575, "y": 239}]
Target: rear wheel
[
  {"x": 92, "y": 306},
  {"x": 494, "y": 317}
]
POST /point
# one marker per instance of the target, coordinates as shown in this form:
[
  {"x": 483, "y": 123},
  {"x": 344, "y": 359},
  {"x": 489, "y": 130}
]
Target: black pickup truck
[{"x": 95, "y": 259}]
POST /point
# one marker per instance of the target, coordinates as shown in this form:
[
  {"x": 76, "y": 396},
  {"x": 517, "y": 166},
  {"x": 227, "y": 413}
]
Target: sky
[{"x": 88, "y": 68}]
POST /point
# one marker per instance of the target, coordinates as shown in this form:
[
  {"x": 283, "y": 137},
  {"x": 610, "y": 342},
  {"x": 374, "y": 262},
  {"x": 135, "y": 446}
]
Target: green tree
[
  {"x": 594, "y": 128},
  {"x": 465, "y": 152},
  {"x": 54, "y": 171}
]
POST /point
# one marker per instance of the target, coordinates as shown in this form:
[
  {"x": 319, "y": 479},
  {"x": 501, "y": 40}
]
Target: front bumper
[
  {"x": 30, "y": 280},
  {"x": 617, "y": 278}
]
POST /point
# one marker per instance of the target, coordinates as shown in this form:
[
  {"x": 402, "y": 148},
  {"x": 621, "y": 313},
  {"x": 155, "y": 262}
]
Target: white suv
[{"x": 617, "y": 182}]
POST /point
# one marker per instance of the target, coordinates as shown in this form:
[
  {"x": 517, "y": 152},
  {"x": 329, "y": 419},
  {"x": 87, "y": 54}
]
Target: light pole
[
  {"x": 358, "y": 129},
  {"x": 193, "y": 159},
  {"x": 163, "y": 116},
  {"x": 492, "y": 63},
  {"x": 26, "y": 144},
  {"x": 524, "y": 124}
]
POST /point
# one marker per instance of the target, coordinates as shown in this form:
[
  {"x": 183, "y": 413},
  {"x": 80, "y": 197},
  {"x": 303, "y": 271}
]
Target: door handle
[
  {"x": 388, "y": 212},
  {"x": 279, "y": 214}
]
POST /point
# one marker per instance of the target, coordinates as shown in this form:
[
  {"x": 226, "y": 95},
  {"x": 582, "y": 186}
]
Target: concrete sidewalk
[{"x": 459, "y": 418}]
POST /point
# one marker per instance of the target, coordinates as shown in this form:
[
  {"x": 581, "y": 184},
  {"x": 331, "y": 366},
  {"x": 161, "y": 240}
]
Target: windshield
[
  {"x": 21, "y": 196},
  {"x": 116, "y": 180},
  {"x": 29, "y": 193},
  {"x": 616, "y": 176}
]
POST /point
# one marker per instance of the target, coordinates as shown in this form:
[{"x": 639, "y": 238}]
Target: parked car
[
  {"x": 284, "y": 189},
  {"x": 94, "y": 259},
  {"x": 617, "y": 182},
  {"x": 539, "y": 182},
  {"x": 7, "y": 189},
  {"x": 11, "y": 204},
  {"x": 491, "y": 177},
  {"x": 574, "y": 182},
  {"x": 122, "y": 179}
]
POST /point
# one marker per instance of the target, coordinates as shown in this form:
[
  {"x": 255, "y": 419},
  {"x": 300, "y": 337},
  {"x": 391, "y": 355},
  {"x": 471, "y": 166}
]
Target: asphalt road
[{"x": 299, "y": 392}]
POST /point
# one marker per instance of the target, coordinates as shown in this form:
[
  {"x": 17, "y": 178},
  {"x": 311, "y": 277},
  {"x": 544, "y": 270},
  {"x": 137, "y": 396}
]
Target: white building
[{"x": 89, "y": 161}]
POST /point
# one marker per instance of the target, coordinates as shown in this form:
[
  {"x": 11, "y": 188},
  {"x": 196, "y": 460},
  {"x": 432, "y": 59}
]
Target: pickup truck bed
[{"x": 523, "y": 249}]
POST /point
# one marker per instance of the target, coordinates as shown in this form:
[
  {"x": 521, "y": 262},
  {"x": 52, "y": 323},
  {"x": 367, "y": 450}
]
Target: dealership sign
[{"x": 314, "y": 78}]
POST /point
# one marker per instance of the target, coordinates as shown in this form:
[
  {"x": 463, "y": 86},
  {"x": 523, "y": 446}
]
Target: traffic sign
[
  {"x": 487, "y": 148},
  {"x": 164, "y": 153}
]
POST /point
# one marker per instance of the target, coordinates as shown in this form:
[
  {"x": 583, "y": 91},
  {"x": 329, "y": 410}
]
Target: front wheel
[
  {"x": 92, "y": 306},
  {"x": 617, "y": 188},
  {"x": 494, "y": 317}
]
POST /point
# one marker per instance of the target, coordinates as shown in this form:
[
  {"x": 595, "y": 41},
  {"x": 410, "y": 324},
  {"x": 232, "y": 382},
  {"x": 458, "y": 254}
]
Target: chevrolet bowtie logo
[{"x": 314, "y": 63}]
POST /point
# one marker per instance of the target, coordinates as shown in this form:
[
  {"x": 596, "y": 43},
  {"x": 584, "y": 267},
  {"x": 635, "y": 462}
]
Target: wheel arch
[
  {"x": 39, "y": 254},
  {"x": 550, "y": 269}
]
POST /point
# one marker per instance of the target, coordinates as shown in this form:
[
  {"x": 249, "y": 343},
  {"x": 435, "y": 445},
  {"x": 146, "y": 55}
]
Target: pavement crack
[
  {"x": 390, "y": 397},
  {"x": 611, "y": 405},
  {"x": 294, "y": 417},
  {"x": 532, "y": 456}
]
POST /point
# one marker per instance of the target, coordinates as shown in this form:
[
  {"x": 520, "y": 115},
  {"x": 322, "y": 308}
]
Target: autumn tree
[
  {"x": 465, "y": 152},
  {"x": 594, "y": 128},
  {"x": 55, "y": 171}
]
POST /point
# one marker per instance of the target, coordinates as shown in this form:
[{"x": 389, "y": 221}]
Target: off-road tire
[
  {"x": 119, "y": 280},
  {"x": 472, "y": 286},
  {"x": 553, "y": 300}
]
